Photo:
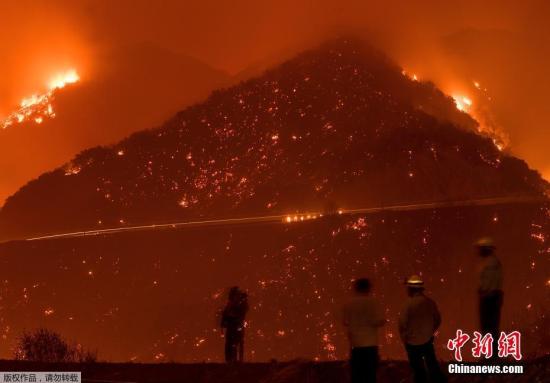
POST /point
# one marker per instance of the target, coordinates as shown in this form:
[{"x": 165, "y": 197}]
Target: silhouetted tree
[{"x": 45, "y": 345}]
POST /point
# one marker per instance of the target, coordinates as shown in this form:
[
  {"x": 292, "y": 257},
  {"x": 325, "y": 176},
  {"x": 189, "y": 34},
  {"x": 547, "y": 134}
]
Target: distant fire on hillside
[
  {"x": 39, "y": 106},
  {"x": 474, "y": 100}
]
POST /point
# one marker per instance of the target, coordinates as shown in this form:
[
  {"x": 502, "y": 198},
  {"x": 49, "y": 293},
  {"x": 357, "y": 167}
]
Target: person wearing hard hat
[
  {"x": 418, "y": 322},
  {"x": 490, "y": 289},
  {"x": 362, "y": 319}
]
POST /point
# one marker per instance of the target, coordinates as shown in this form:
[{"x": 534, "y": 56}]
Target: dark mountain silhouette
[{"x": 336, "y": 126}]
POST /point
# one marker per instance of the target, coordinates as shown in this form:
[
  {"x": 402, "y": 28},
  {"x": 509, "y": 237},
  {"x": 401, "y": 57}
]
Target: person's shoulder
[
  {"x": 368, "y": 299},
  {"x": 349, "y": 303},
  {"x": 361, "y": 301},
  {"x": 368, "y": 303},
  {"x": 409, "y": 301},
  {"x": 374, "y": 301},
  {"x": 408, "y": 305},
  {"x": 430, "y": 301},
  {"x": 426, "y": 297},
  {"x": 419, "y": 301},
  {"x": 492, "y": 261},
  {"x": 356, "y": 300}
]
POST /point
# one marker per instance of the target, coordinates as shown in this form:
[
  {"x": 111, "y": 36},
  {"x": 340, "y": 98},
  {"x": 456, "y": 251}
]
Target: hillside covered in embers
[{"x": 338, "y": 125}]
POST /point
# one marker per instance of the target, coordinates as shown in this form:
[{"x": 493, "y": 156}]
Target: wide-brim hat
[
  {"x": 414, "y": 281},
  {"x": 486, "y": 243}
]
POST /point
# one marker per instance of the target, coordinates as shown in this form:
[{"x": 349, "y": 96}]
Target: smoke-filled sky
[{"x": 141, "y": 61}]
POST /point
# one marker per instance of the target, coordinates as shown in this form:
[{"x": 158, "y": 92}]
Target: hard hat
[
  {"x": 486, "y": 242},
  {"x": 414, "y": 281}
]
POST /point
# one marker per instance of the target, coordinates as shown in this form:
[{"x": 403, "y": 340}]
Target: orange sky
[{"x": 502, "y": 44}]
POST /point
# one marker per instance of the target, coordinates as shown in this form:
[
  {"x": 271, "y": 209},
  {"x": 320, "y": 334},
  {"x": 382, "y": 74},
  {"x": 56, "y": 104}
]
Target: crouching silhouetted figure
[
  {"x": 489, "y": 290},
  {"x": 362, "y": 318},
  {"x": 233, "y": 324},
  {"x": 418, "y": 322}
]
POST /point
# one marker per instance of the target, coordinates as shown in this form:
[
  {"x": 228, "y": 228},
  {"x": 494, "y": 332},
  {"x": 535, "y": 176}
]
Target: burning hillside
[
  {"x": 336, "y": 127},
  {"x": 39, "y": 106},
  {"x": 339, "y": 125}
]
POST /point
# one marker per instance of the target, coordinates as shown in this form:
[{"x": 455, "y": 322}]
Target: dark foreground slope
[
  {"x": 535, "y": 371},
  {"x": 155, "y": 296}
]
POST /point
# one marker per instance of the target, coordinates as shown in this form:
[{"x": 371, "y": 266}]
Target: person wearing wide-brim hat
[{"x": 418, "y": 322}]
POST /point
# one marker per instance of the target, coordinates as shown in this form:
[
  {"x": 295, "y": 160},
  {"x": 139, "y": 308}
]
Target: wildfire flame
[
  {"x": 487, "y": 125},
  {"x": 463, "y": 103},
  {"x": 474, "y": 100},
  {"x": 38, "y": 107},
  {"x": 60, "y": 80},
  {"x": 411, "y": 76}
]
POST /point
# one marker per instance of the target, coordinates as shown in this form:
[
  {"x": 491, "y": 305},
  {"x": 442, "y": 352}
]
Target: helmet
[
  {"x": 415, "y": 281},
  {"x": 486, "y": 243}
]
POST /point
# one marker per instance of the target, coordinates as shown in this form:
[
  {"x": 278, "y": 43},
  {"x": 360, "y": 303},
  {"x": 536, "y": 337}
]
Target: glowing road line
[
  {"x": 227, "y": 221},
  {"x": 446, "y": 204},
  {"x": 299, "y": 217}
]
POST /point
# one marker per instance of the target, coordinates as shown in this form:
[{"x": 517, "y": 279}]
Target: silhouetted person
[
  {"x": 233, "y": 322},
  {"x": 418, "y": 322},
  {"x": 362, "y": 317},
  {"x": 489, "y": 290}
]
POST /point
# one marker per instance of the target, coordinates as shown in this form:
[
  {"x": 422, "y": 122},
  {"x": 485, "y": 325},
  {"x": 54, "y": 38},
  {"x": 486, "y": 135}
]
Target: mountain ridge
[{"x": 276, "y": 143}]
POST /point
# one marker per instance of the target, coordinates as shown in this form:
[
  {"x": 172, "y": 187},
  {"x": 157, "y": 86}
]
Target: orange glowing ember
[
  {"x": 463, "y": 103},
  {"x": 38, "y": 107}
]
